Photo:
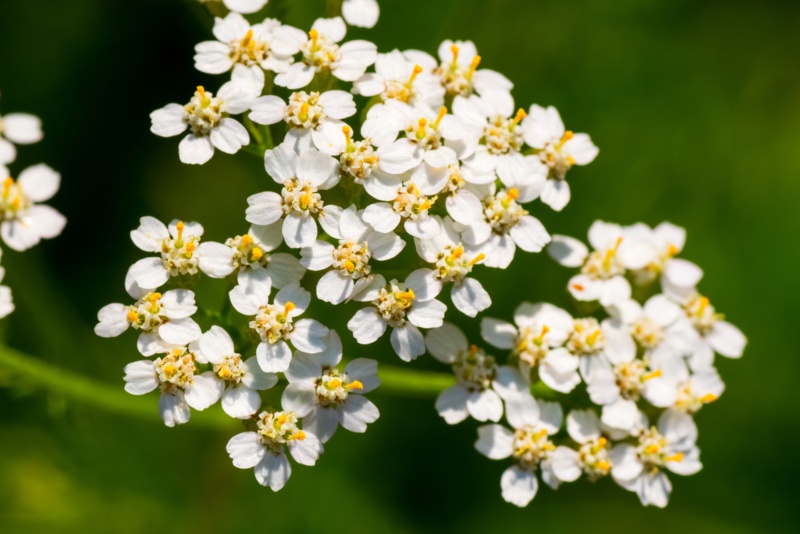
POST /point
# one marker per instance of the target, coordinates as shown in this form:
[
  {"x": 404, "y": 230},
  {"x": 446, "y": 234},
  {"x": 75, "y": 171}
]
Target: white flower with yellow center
[
  {"x": 361, "y": 13},
  {"x": 411, "y": 204},
  {"x": 425, "y": 133},
  {"x": 406, "y": 307},
  {"x": 182, "y": 386},
  {"x": 536, "y": 340},
  {"x": 207, "y": 117},
  {"x": 602, "y": 276},
  {"x": 265, "y": 448},
  {"x": 459, "y": 73},
  {"x": 19, "y": 129},
  {"x": 558, "y": 149},
  {"x": 481, "y": 386},
  {"x": 245, "y": 6},
  {"x": 671, "y": 445},
  {"x": 177, "y": 249},
  {"x": 327, "y": 397},
  {"x": 306, "y": 115},
  {"x": 241, "y": 379},
  {"x": 713, "y": 333},
  {"x": 239, "y": 43},
  {"x": 400, "y": 77},
  {"x": 667, "y": 240},
  {"x": 162, "y": 320},
  {"x": 251, "y": 251},
  {"x": 453, "y": 264},
  {"x": 275, "y": 323},
  {"x": 24, "y": 222},
  {"x": 502, "y": 225},
  {"x": 302, "y": 177},
  {"x": 528, "y": 444},
  {"x": 592, "y": 454},
  {"x": 591, "y": 341},
  {"x": 322, "y": 53},
  {"x": 349, "y": 260},
  {"x": 6, "y": 301}
]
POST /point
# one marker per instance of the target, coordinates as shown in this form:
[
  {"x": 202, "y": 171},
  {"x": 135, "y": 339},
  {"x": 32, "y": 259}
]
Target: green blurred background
[{"x": 695, "y": 106}]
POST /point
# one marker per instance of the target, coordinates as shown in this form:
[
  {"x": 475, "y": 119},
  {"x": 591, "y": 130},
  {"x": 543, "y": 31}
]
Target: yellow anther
[
  {"x": 473, "y": 349},
  {"x": 442, "y": 113},
  {"x": 473, "y": 66},
  {"x": 247, "y": 239},
  {"x": 335, "y": 383},
  {"x": 454, "y": 50},
  {"x": 458, "y": 252},
  {"x": 133, "y": 317},
  {"x": 414, "y": 73},
  {"x": 288, "y": 308},
  {"x": 545, "y": 330},
  {"x": 299, "y": 435},
  {"x": 677, "y": 457},
  {"x": 371, "y": 159},
  {"x": 15, "y": 204},
  {"x": 592, "y": 338},
  {"x": 247, "y": 38},
  {"x": 701, "y": 307},
  {"x": 567, "y": 136},
  {"x": 169, "y": 369},
  {"x": 204, "y": 100},
  {"x": 304, "y": 107},
  {"x": 540, "y": 434},
  {"x": 601, "y": 442},
  {"x": 522, "y": 450},
  {"x": 610, "y": 253},
  {"x": 405, "y": 298},
  {"x": 603, "y": 466},
  {"x": 421, "y": 131},
  {"x": 519, "y": 116},
  {"x": 578, "y": 287},
  {"x": 347, "y": 131},
  {"x": 7, "y": 183},
  {"x": 256, "y": 254},
  {"x": 570, "y": 160},
  {"x": 355, "y": 384},
  {"x": 652, "y": 449},
  {"x": 314, "y": 35},
  {"x": 708, "y": 397},
  {"x": 513, "y": 193},
  {"x": 477, "y": 259},
  {"x": 348, "y": 266},
  {"x": 672, "y": 250},
  {"x": 224, "y": 372},
  {"x": 282, "y": 419},
  {"x": 305, "y": 201},
  {"x": 153, "y": 298},
  {"x": 650, "y": 376}
]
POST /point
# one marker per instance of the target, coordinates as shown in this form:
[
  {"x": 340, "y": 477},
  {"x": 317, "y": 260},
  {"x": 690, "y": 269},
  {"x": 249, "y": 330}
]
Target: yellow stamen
[
  {"x": 442, "y": 113},
  {"x": 153, "y": 298},
  {"x": 477, "y": 259},
  {"x": 335, "y": 383},
  {"x": 567, "y": 136},
  {"x": 601, "y": 442},
  {"x": 421, "y": 130},
  {"x": 282, "y": 419},
  {"x": 204, "y": 100},
  {"x": 603, "y": 466},
  {"x": 592, "y": 339},
  {"x": 709, "y": 397},
  {"x": 16, "y": 203},
  {"x": 288, "y": 308},
  {"x": 672, "y": 250},
  {"x": 190, "y": 246},
  {"x": 304, "y": 112},
  {"x": 133, "y": 317},
  {"x": 314, "y": 34},
  {"x": 578, "y": 287},
  {"x": 652, "y": 449},
  {"x": 701, "y": 307},
  {"x": 305, "y": 201},
  {"x": 513, "y": 193},
  {"x": 7, "y": 183},
  {"x": 347, "y": 134},
  {"x": 299, "y": 435},
  {"x": 355, "y": 384},
  {"x": 169, "y": 369},
  {"x": 519, "y": 116},
  {"x": 677, "y": 457},
  {"x": 610, "y": 253},
  {"x": 545, "y": 330},
  {"x": 414, "y": 73},
  {"x": 540, "y": 434},
  {"x": 224, "y": 372},
  {"x": 246, "y": 240},
  {"x": 349, "y": 266},
  {"x": 458, "y": 252},
  {"x": 650, "y": 376},
  {"x": 247, "y": 38},
  {"x": 473, "y": 67},
  {"x": 179, "y": 227},
  {"x": 256, "y": 254},
  {"x": 454, "y": 50}
]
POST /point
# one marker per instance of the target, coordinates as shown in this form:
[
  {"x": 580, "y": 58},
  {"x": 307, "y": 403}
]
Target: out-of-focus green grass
[{"x": 696, "y": 109}]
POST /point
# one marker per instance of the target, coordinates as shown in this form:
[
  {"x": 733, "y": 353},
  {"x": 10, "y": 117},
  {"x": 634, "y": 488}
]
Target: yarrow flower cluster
[
  {"x": 24, "y": 220},
  {"x": 429, "y": 151}
]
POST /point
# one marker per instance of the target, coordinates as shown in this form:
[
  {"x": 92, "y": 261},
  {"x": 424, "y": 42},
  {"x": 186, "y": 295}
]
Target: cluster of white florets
[
  {"x": 24, "y": 222},
  {"x": 444, "y": 160}
]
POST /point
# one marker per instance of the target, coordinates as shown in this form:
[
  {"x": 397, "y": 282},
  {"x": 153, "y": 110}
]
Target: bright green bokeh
[{"x": 695, "y": 107}]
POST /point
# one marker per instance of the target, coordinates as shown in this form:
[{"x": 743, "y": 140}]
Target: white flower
[
  {"x": 602, "y": 275},
  {"x": 667, "y": 240},
  {"x": 6, "y": 301},
  {"x": 714, "y": 334},
  {"x": 558, "y": 149},
  {"x": 502, "y": 225},
  {"x": 411, "y": 204},
  {"x": 207, "y": 117},
  {"x": 239, "y": 43},
  {"x": 537, "y": 341},
  {"x": 592, "y": 455},
  {"x": 671, "y": 445},
  {"x": 459, "y": 72},
  {"x": 251, "y": 251},
  {"x": 322, "y": 53},
  {"x": 362, "y": 13},
  {"x": 407, "y": 77},
  {"x": 24, "y": 221},
  {"x": 276, "y": 323},
  {"x": 406, "y": 307},
  {"x": 528, "y": 444},
  {"x": 350, "y": 259},
  {"x": 162, "y": 320},
  {"x": 264, "y": 449},
  {"x": 482, "y": 384},
  {"x": 182, "y": 387},
  {"x": 327, "y": 397},
  {"x": 424, "y": 136},
  {"x": 452, "y": 264},
  {"x": 694, "y": 389},
  {"x": 245, "y": 6},
  {"x": 20, "y": 129},
  {"x": 302, "y": 177},
  {"x": 176, "y": 246},
  {"x": 306, "y": 115},
  {"x": 239, "y": 378}
]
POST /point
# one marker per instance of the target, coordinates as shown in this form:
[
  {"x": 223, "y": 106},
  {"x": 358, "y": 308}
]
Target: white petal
[
  {"x": 518, "y": 486},
  {"x": 583, "y": 425},
  {"x": 140, "y": 377},
  {"x": 529, "y": 234},
  {"x": 299, "y": 397},
  {"x": 168, "y": 121},
  {"x": 726, "y": 339},
  {"x": 357, "y": 412},
  {"x": 452, "y": 404},
  {"x": 245, "y": 449},
  {"x": 498, "y": 333},
  {"x": 39, "y": 182},
  {"x": 299, "y": 230},
  {"x": 407, "y": 342},
  {"x": 112, "y": 320},
  {"x": 173, "y": 408},
  {"x": 446, "y": 342},
  {"x": 179, "y": 331},
  {"x": 322, "y": 422},
  {"x": 216, "y": 344},
  {"x": 470, "y": 297},
  {"x": 568, "y": 251},
  {"x": 195, "y": 150},
  {"x": 241, "y": 402},
  {"x": 485, "y": 405},
  {"x": 229, "y": 136},
  {"x": 273, "y": 470},
  {"x": 205, "y": 390},
  {"x": 307, "y": 450},
  {"x": 274, "y": 358},
  {"x": 367, "y": 325},
  {"x": 428, "y": 314}
]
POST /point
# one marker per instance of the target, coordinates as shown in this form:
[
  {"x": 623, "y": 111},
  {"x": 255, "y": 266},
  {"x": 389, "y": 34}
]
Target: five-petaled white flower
[
  {"x": 239, "y": 43},
  {"x": 404, "y": 76},
  {"x": 481, "y": 386},
  {"x": 239, "y": 378},
  {"x": 528, "y": 444},
  {"x": 558, "y": 149},
  {"x": 276, "y": 323},
  {"x": 306, "y": 115},
  {"x": 20, "y": 129},
  {"x": 405, "y": 306},
  {"x": 177, "y": 249},
  {"x": 671, "y": 445},
  {"x": 412, "y": 203},
  {"x": 207, "y": 117},
  {"x": 453, "y": 264},
  {"x": 327, "y": 397},
  {"x": 302, "y": 177},
  {"x": 162, "y": 320},
  {"x": 251, "y": 251},
  {"x": 182, "y": 386},
  {"x": 361, "y": 13},
  {"x": 350, "y": 259},
  {"x": 265, "y": 448},
  {"x": 321, "y": 53},
  {"x": 459, "y": 73},
  {"x": 24, "y": 222},
  {"x": 602, "y": 275}
]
